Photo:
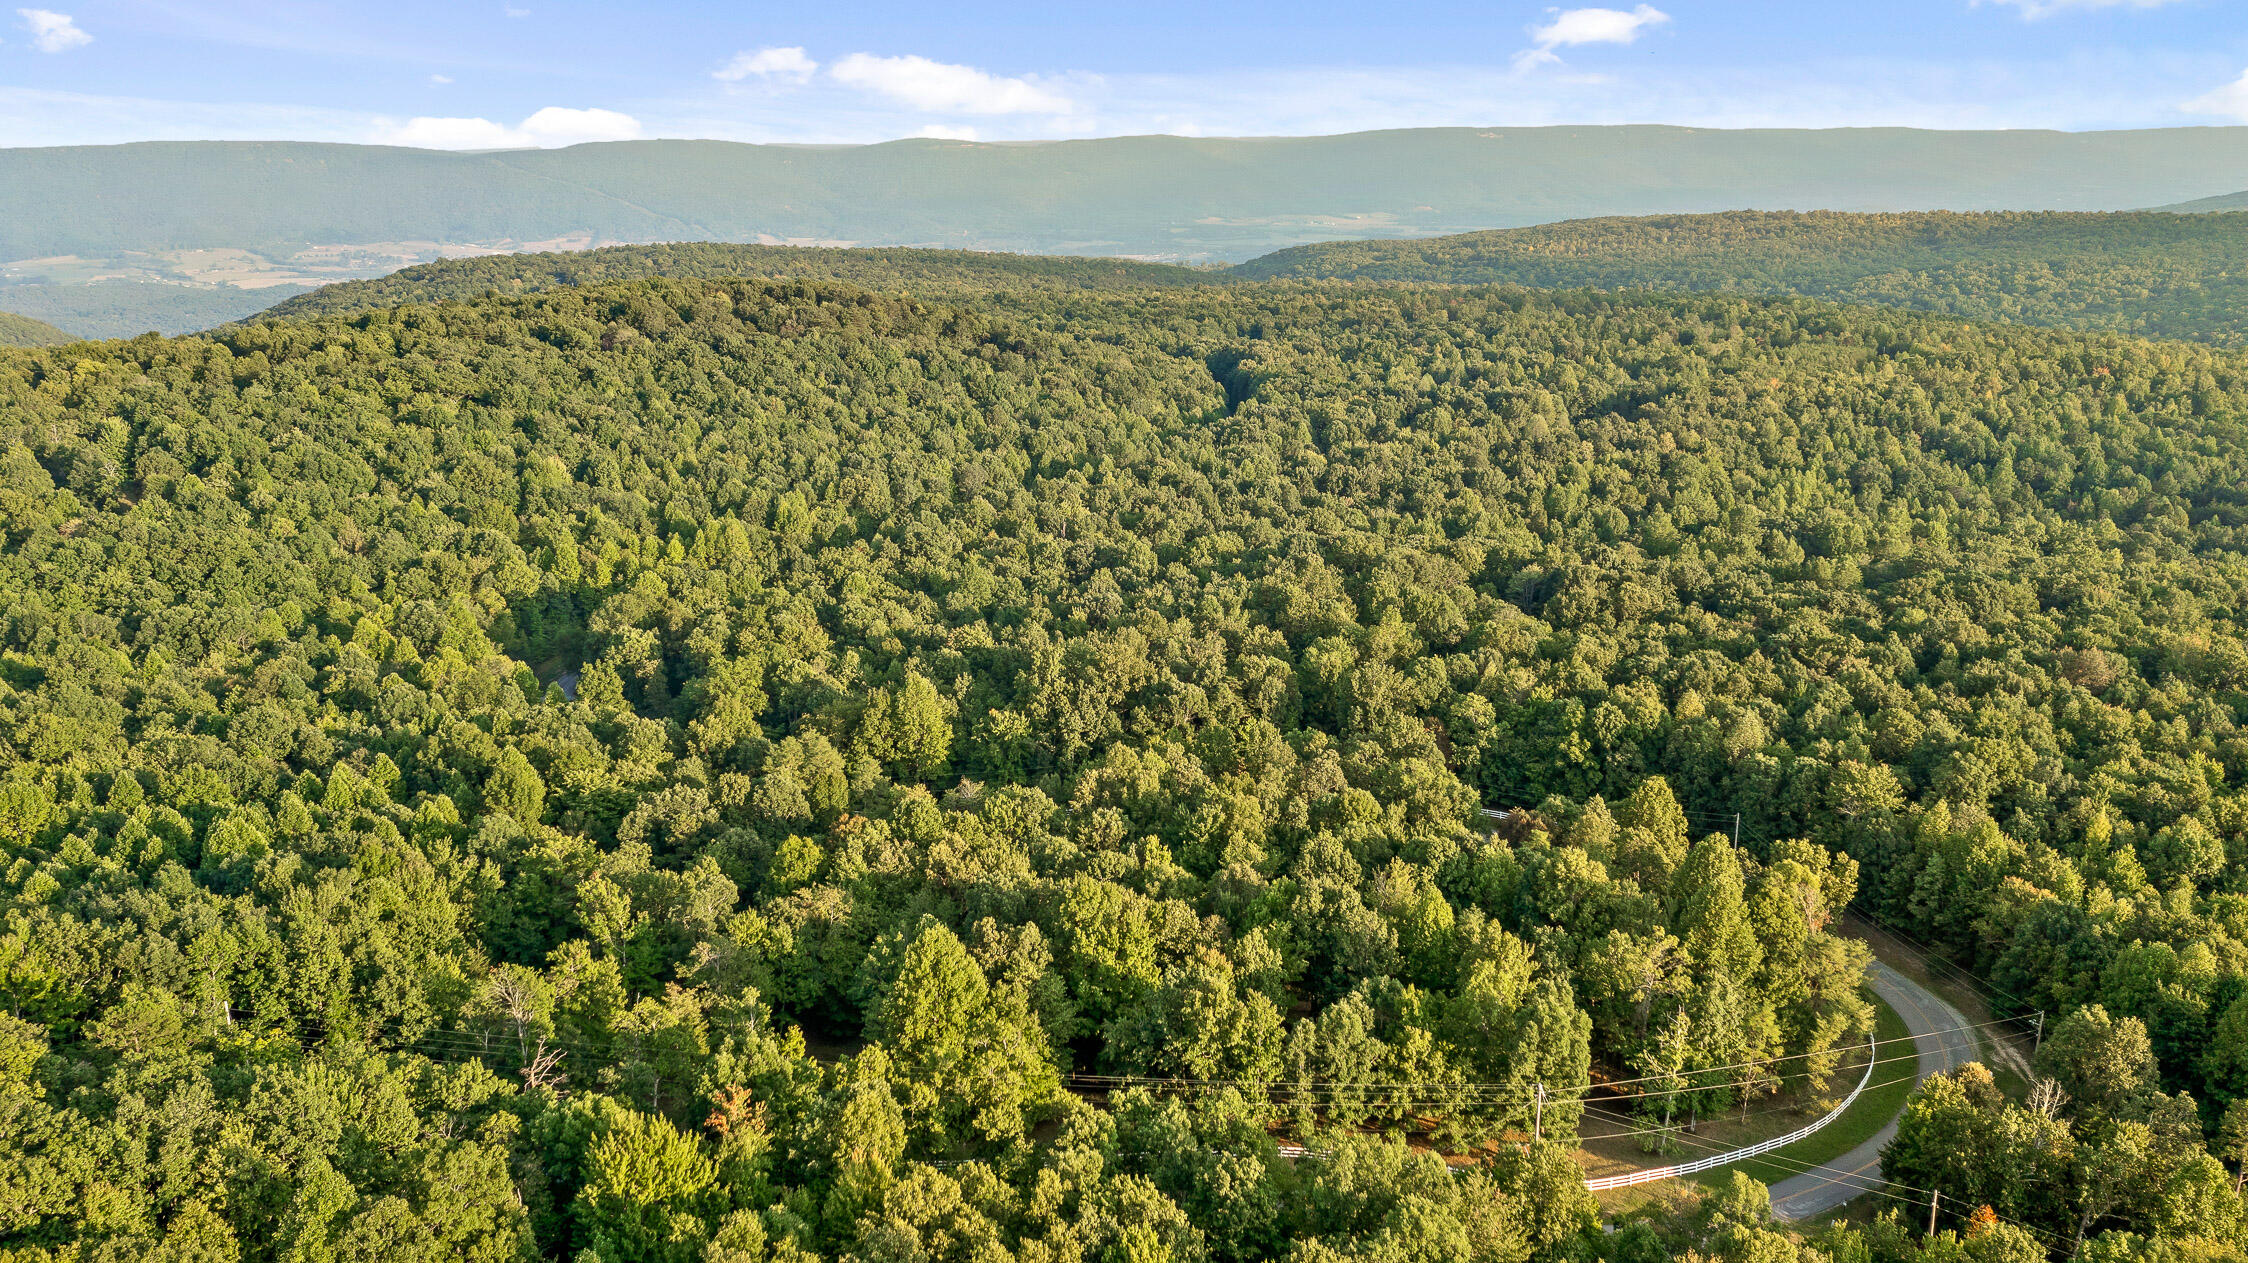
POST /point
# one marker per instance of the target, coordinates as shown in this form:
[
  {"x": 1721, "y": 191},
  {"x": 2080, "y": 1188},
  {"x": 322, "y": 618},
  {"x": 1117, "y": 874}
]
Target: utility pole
[
  {"x": 1933, "y": 1198},
  {"x": 2040, "y": 1041},
  {"x": 1736, "y": 831},
  {"x": 1537, "y": 1117}
]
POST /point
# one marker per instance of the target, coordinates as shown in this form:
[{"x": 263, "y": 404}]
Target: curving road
[{"x": 1942, "y": 1043}]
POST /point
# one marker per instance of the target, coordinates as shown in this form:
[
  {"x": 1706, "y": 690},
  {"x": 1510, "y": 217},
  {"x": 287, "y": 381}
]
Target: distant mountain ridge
[
  {"x": 177, "y": 236},
  {"x": 1157, "y": 196}
]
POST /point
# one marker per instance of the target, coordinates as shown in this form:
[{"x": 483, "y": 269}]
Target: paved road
[{"x": 1942, "y": 1046}]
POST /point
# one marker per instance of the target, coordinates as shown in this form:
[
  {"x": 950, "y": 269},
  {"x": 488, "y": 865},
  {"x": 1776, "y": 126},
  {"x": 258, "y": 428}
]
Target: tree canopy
[
  {"x": 2151, "y": 273},
  {"x": 696, "y": 768}
]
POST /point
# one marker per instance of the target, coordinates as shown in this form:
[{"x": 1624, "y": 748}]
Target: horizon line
[{"x": 963, "y": 142}]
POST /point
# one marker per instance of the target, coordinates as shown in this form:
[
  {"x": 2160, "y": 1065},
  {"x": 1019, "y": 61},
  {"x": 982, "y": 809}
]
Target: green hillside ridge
[
  {"x": 890, "y": 268},
  {"x": 2163, "y": 275},
  {"x": 2221, "y": 202},
  {"x": 2155, "y": 274},
  {"x": 18, "y": 330},
  {"x": 1167, "y": 196}
]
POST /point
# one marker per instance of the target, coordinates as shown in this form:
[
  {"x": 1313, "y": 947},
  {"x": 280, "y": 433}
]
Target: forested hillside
[
  {"x": 697, "y": 769},
  {"x": 2221, "y": 202},
  {"x": 2153, "y": 274},
  {"x": 24, "y": 331},
  {"x": 924, "y": 271},
  {"x": 2176, "y": 276}
]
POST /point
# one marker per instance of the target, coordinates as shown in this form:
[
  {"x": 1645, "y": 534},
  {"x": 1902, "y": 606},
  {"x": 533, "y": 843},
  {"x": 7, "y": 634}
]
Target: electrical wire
[
  {"x": 1988, "y": 990},
  {"x": 1314, "y": 1085},
  {"x": 1863, "y": 1183},
  {"x": 1769, "y": 1109},
  {"x": 465, "y": 1044},
  {"x": 1867, "y": 1184},
  {"x": 461, "y": 1045}
]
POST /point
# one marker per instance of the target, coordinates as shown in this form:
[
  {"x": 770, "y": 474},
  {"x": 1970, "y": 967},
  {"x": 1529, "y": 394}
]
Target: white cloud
[
  {"x": 1572, "y": 27},
  {"x": 783, "y": 65},
  {"x": 453, "y": 133},
  {"x": 513, "y": 12},
  {"x": 938, "y": 131},
  {"x": 53, "y": 32},
  {"x": 550, "y": 128},
  {"x": 557, "y": 126},
  {"x": 2088, "y": 88},
  {"x": 936, "y": 85},
  {"x": 2229, "y": 101},
  {"x": 2033, "y": 9},
  {"x": 440, "y": 78}
]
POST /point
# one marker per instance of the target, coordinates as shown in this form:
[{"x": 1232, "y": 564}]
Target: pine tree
[
  {"x": 649, "y": 1192},
  {"x": 972, "y": 1064},
  {"x": 515, "y": 788},
  {"x": 1709, "y": 910}
]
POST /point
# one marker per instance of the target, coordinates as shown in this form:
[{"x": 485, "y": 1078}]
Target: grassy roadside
[
  {"x": 2001, "y": 1048},
  {"x": 1881, "y": 1101}
]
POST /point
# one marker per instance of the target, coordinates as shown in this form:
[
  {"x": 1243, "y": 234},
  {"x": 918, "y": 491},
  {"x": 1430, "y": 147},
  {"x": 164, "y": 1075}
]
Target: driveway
[{"x": 1943, "y": 1044}]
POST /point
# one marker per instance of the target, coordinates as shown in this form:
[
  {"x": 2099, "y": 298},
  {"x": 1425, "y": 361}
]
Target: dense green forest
[
  {"x": 24, "y": 331},
  {"x": 702, "y": 769},
  {"x": 2154, "y": 274},
  {"x": 2175, "y": 276}
]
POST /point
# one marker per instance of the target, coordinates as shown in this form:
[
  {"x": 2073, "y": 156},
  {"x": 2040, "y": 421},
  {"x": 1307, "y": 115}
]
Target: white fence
[{"x": 1720, "y": 1159}]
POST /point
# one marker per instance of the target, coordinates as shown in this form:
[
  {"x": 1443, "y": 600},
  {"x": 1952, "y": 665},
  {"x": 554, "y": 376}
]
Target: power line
[
  {"x": 443, "y": 1044},
  {"x": 1769, "y": 1109},
  {"x": 1802, "y": 1167},
  {"x": 1315, "y": 1085},
  {"x": 447, "y": 1043},
  {"x": 1734, "y": 820},
  {"x": 1933, "y": 956},
  {"x": 1864, "y": 1183},
  {"x": 451, "y": 1044},
  {"x": 497, "y": 1044}
]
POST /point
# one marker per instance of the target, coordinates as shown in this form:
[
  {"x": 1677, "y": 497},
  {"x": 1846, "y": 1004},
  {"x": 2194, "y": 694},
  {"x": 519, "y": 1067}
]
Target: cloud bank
[
  {"x": 944, "y": 88},
  {"x": 781, "y": 65},
  {"x": 2229, "y": 101},
  {"x": 550, "y": 128},
  {"x": 2094, "y": 88}
]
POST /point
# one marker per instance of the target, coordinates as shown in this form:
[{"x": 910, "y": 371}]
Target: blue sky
[{"x": 548, "y": 72}]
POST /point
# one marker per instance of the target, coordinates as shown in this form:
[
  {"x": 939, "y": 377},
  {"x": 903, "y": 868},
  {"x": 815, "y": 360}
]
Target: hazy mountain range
[{"x": 109, "y": 240}]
